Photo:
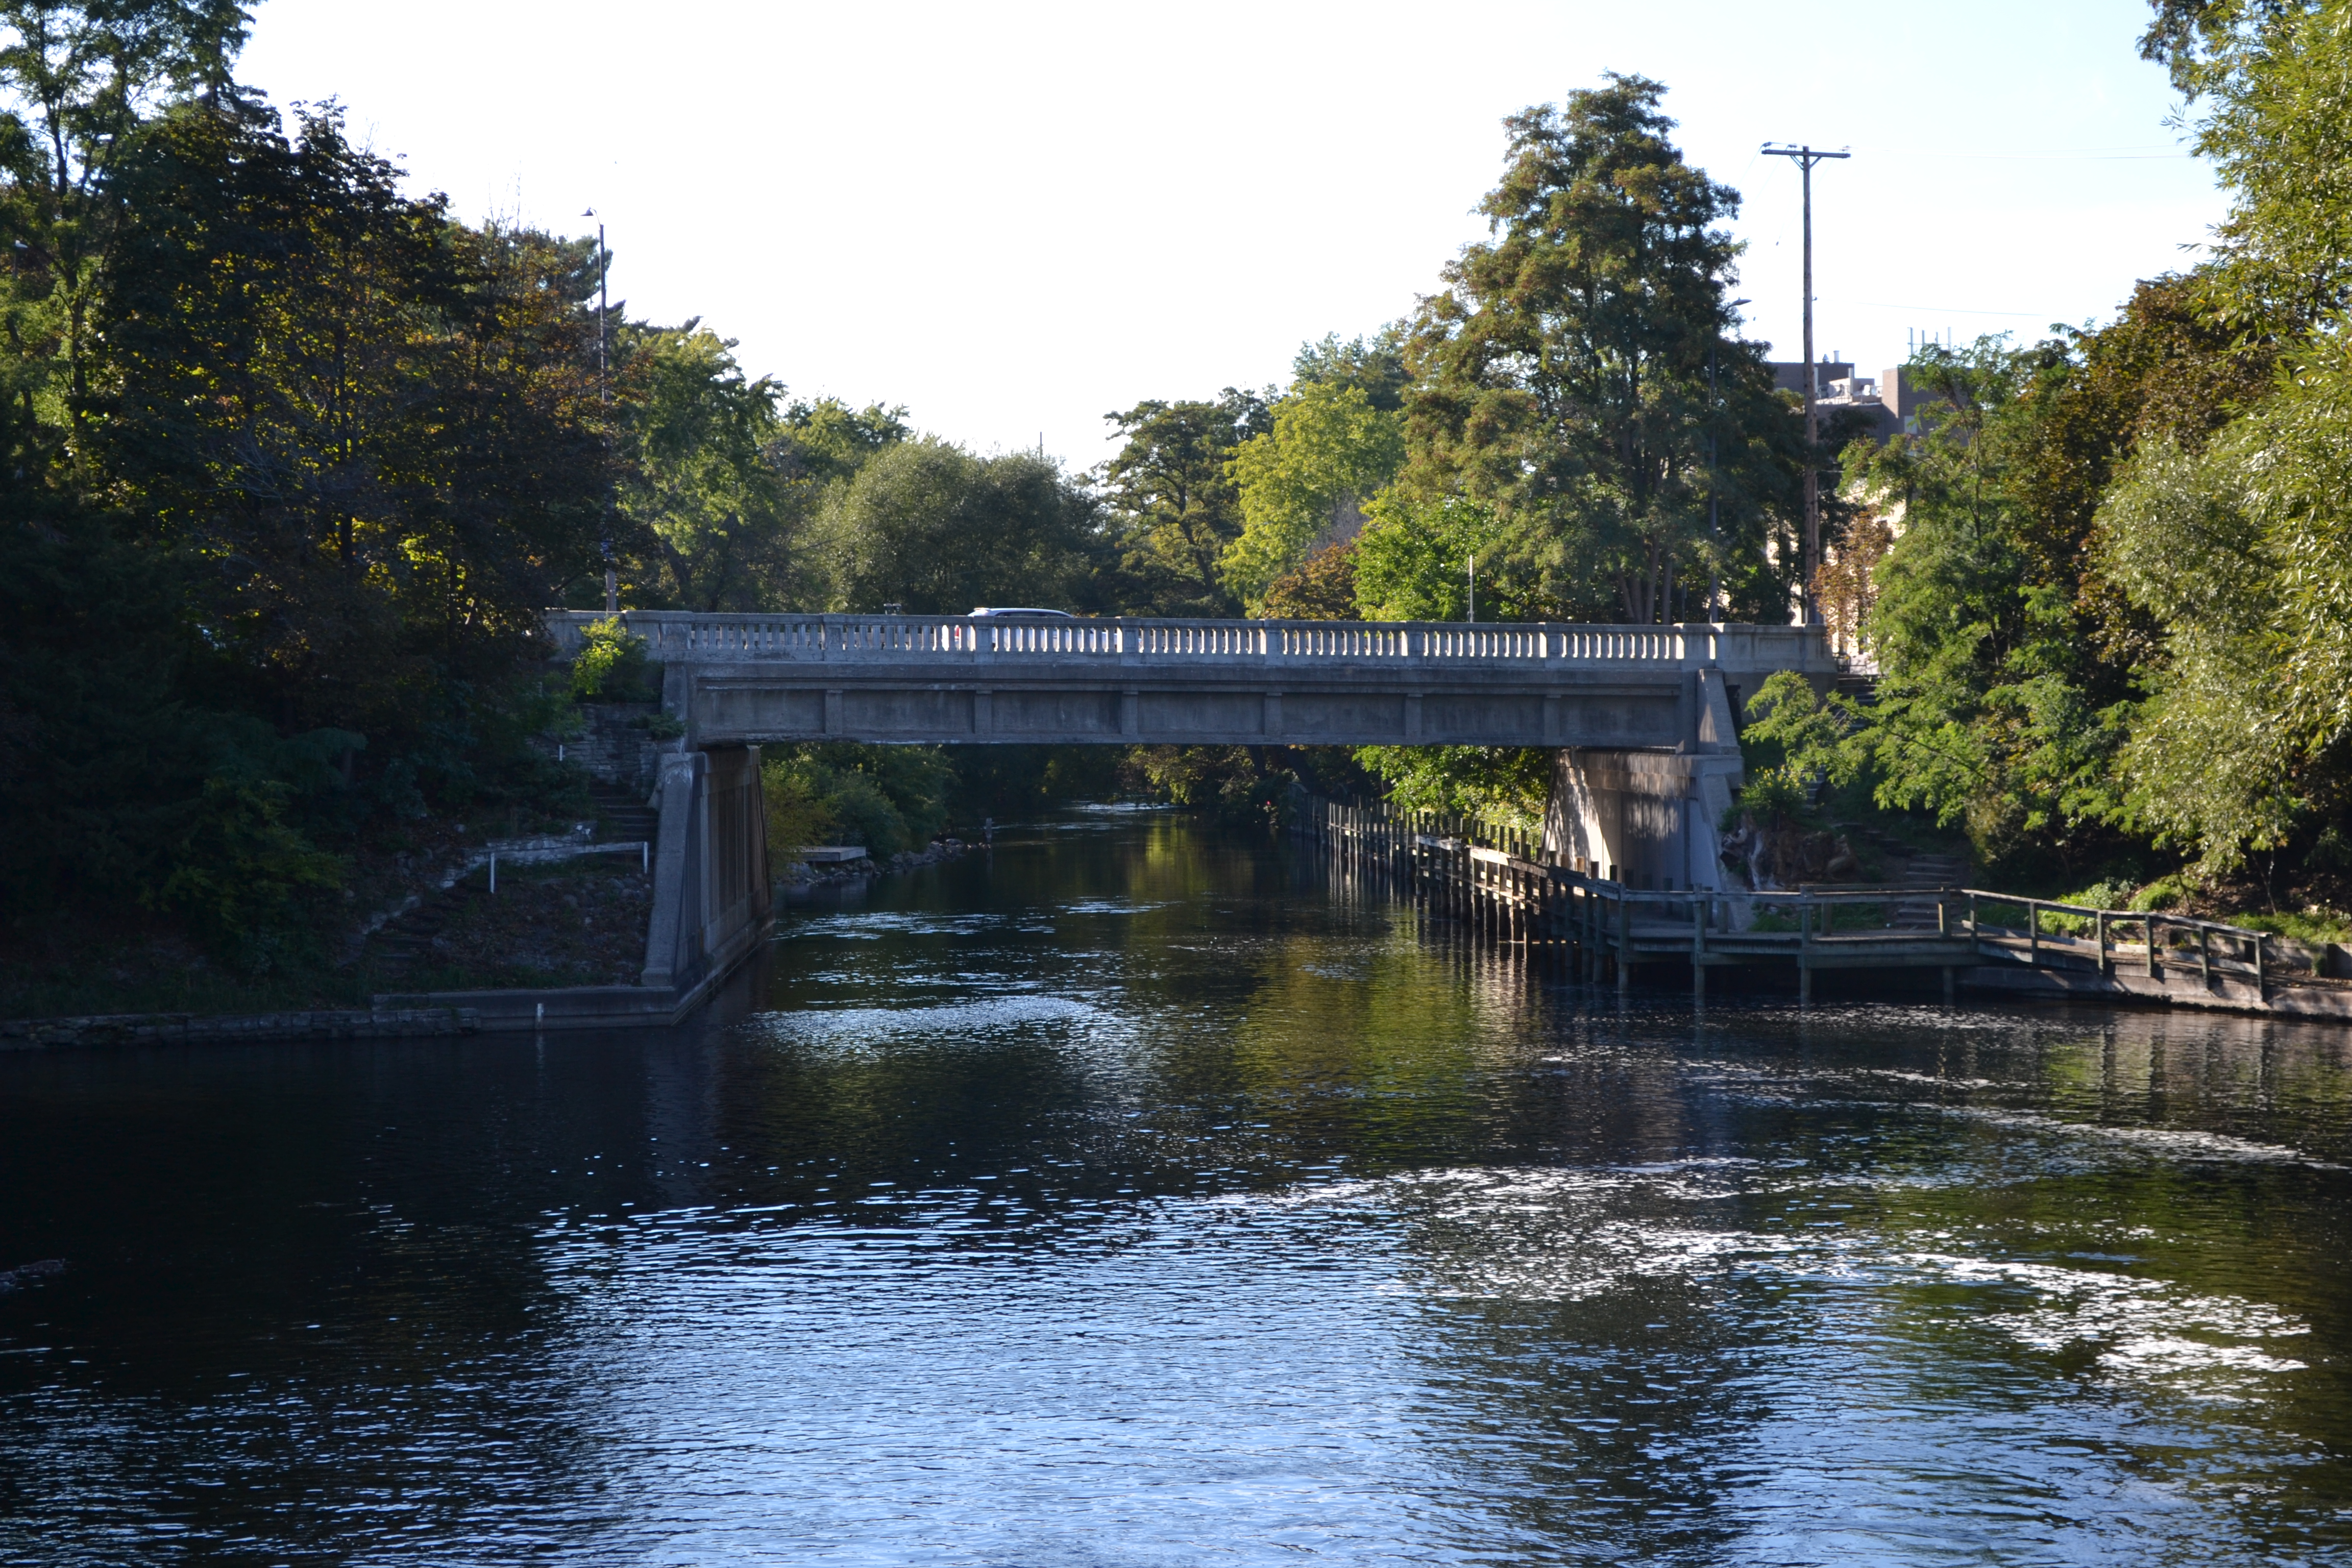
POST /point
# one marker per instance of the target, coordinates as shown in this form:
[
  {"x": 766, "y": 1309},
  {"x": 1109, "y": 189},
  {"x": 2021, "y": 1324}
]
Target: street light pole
[
  {"x": 1805, "y": 158},
  {"x": 603, "y": 404}
]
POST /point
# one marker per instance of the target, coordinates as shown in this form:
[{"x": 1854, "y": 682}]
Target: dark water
[{"x": 1132, "y": 1200}]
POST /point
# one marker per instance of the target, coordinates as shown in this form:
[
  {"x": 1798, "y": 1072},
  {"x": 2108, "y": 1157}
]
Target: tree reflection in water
[{"x": 1128, "y": 1196}]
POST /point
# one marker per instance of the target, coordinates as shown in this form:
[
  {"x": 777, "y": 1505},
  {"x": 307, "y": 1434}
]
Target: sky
[{"x": 1014, "y": 218}]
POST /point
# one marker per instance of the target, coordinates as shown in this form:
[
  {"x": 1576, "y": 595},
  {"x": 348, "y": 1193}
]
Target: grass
[{"x": 2329, "y": 926}]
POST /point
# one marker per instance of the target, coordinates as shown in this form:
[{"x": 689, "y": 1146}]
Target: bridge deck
[{"x": 952, "y": 679}]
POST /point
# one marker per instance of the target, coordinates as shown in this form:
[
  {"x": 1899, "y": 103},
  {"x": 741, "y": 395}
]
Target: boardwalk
[{"x": 1607, "y": 932}]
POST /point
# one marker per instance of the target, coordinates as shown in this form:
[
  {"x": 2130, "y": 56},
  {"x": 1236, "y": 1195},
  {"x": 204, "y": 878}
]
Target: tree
[
  {"x": 1983, "y": 714},
  {"x": 703, "y": 480},
  {"x": 1304, "y": 482},
  {"x": 1374, "y": 366},
  {"x": 2225, "y": 539},
  {"x": 82, "y": 81},
  {"x": 929, "y": 526},
  {"x": 1321, "y": 588},
  {"x": 1173, "y": 493},
  {"x": 2010, "y": 655},
  {"x": 373, "y": 428},
  {"x": 1413, "y": 562},
  {"x": 2243, "y": 555},
  {"x": 825, "y": 441},
  {"x": 1562, "y": 375},
  {"x": 337, "y": 452},
  {"x": 2271, "y": 76}
]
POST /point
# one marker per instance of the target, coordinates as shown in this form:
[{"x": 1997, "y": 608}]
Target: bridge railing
[{"x": 686, "y": 637}]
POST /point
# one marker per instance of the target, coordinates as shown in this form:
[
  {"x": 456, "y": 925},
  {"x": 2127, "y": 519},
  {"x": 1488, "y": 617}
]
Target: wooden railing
[
  {"x": 679, "y": 635},
  {"x": 2242, "y": 951},
  {"x": 1500, "y": 866}
]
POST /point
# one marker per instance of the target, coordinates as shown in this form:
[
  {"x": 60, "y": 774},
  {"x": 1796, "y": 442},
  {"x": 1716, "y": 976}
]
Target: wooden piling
[
  {"x": 1625, "y": 945},
  {"x": 1698, "y": 950}
]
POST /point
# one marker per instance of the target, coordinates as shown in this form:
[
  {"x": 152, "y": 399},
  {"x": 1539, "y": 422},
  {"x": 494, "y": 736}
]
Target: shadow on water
[{"x": 1132, "y": 1194}]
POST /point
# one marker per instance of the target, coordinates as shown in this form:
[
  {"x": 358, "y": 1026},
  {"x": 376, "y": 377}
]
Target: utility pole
[
  {"x": 1806, "y": 157},
  {"x": 603, "y": 404}
]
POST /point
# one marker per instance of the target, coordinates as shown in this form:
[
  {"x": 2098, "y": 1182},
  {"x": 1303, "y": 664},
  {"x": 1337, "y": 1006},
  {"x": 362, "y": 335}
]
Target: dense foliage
[
  {"x": 296, "y": 460},
  {"x": 2115, "y": 619}
]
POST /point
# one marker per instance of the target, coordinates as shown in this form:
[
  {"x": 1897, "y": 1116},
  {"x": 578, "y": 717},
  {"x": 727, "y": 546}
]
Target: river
[{"x": 1127, "y": 1196}]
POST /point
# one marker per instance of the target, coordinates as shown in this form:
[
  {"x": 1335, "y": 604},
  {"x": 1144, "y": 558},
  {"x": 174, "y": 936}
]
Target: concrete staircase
[
  {"x": 1925, "y": 871},
  {"x": 623, "y": 815},
  {"x": 393, "y": 950}
]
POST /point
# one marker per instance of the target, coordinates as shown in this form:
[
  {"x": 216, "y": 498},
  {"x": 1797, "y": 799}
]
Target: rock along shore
[{"x": 800, "y": 874}]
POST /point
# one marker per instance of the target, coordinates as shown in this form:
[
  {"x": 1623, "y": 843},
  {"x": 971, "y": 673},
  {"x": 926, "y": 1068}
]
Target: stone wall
[{"x": 617, "y": 747}]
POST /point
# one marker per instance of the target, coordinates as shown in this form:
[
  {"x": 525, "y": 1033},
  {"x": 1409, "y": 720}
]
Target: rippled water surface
[{"x": 1132, "y": 1198}]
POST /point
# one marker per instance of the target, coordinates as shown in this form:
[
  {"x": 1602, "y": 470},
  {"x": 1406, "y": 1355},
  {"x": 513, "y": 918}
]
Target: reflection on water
[{"x": 1126, "y": 1197}]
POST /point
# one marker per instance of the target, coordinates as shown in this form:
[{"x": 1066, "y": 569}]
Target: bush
[
  {"x": 2311, "y": 925},
  {"x": 2163, "y": 893},
  {"x": 244, "y": 877},
  {"x": 2105, "y": 895},
  {"x": 1772, "y": 798},
  {"x": 612, "y": 667},
  {"x": 887, "y": 798},
  {"x": 799, "y": 813}
]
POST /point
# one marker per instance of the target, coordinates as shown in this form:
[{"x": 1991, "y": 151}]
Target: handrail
[
  {"x": 1602, "y": 886},
  {"x": 1416, "y": 834},
  {"x": 1898, "y": 892},
  {"x": 2089, "y": 911},
  {"x": 699, "y": 638}
]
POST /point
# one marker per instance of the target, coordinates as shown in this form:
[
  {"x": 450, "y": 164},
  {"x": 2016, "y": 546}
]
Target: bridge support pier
[
  {"x": 1650, "y": 818},
  {"x": 711, "y": 890}
]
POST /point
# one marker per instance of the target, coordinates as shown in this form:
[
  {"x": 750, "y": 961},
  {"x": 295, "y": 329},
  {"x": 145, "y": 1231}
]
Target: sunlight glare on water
[{"x": 1139, "y": 1195}]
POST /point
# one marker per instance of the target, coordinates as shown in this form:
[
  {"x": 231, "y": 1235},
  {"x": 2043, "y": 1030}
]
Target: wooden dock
[{"x": 1495, "y": 878}]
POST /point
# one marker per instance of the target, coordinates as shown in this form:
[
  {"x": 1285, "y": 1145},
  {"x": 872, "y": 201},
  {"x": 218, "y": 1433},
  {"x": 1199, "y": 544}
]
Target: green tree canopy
[
  {"x": 703, "y": 482},
  {"x": 1562, "y": 375},
  {"x": 307, "y": 457},
  {"x": 2270, "y": 78},
  {"x": 927, "y": 525},
  {"x": 1304, "y": 482},
  {"x": 1413, "y": 562},
  {"x": 1172, "y": 491},
  {"x": 1374, "y": 366},
  {"x": 2243, "y": 555},
  {"x": 374, "y": 427}
]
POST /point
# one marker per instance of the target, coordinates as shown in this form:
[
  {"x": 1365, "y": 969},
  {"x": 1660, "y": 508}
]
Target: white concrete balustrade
[{"x": 689, "y": 637}]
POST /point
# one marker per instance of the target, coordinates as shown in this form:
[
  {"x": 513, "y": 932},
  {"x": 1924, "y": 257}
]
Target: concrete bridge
[
  {"x": 953, "y": 680},
  {"x": 1642, "y": 719}
]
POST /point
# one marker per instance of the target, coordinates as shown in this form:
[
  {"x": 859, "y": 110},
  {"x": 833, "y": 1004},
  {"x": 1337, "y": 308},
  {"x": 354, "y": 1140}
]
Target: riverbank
[
  {"x": 570, "y": 925},
  {"x": 802, "y": 874}
]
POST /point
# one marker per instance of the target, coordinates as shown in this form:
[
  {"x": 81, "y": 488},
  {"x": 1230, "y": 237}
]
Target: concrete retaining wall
[{"x": 1649, "y": 817}]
